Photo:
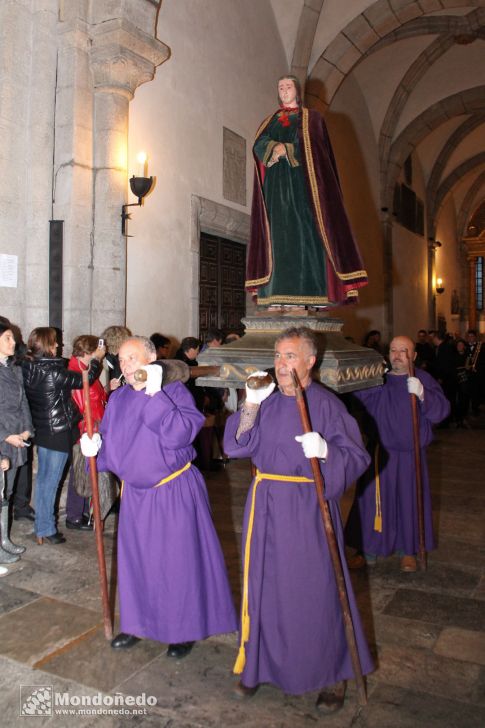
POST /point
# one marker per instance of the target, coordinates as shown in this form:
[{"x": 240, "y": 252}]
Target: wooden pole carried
[
  {"x": 422, "y": 558},
  {"x": 332, "y": 546},
  {"x": 98, "y": 524}
]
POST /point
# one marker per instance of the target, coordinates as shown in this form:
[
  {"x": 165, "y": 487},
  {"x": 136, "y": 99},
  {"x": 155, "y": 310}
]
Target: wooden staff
[
  {"x": 422, "y": 560},
  {"x": 98, "y": 524},
  {"x": 332, "y": 546}
]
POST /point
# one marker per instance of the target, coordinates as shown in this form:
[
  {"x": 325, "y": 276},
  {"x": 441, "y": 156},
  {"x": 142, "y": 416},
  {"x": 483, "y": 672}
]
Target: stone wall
[
  {"x": 64, "y": 123},
  {"x": 225, "y": 60}
]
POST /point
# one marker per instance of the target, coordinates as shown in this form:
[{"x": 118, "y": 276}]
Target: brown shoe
[
  {"x": 331, "y": 699},
  {"x": 356, "y": 562},
  {"x": 241, "y": 692},
  {"x": 408, "y": 563}
]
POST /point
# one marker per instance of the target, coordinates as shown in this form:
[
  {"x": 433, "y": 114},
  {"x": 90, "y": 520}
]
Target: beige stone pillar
[{"x": 104, "y": 56}]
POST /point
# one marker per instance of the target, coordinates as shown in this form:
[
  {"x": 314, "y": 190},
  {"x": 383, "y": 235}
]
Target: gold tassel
[
  {"x": 240, "y": 661},
  {"x": 245, "y": 620}
]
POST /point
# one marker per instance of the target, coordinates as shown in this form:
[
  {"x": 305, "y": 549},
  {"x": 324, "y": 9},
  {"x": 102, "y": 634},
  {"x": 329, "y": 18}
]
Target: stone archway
[
  {"x": 380, "y": 24},
  {"x": 442, "y": 160},
  {"x": 464, "y": 102}
]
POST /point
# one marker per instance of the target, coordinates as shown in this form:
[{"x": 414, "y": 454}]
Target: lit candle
[{"x": 142, "y": 164}]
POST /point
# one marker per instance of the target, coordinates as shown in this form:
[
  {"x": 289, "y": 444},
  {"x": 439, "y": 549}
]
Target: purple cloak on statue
[
  {"x": 172, "y": 579},
  {"x": 296, "y": 635},
  {"x": 389, "y": 406},
  {"x": 310, "y": 164}
]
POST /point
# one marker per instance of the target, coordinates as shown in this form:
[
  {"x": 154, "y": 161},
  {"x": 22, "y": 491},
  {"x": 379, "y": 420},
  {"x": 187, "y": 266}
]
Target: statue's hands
[
  {"x": 313, "y": 444},
  {"x": 279, "y": 150}
]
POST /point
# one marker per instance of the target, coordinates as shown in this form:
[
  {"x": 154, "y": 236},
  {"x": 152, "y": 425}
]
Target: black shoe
[
  {"x": 241, "y": 692},
  {"x": 180, "y": 650},
  {"x": 55, "y": 539},
  {"x": 28, "y": 515},
  {"x": 124, "y": 641},
  {"x": 331, "y": 699},
  {"x": 80, "y": 524}
]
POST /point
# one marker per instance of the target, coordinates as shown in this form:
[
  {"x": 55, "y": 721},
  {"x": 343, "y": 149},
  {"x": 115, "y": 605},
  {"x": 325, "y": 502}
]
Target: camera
[{"x": 100, "y": 343}]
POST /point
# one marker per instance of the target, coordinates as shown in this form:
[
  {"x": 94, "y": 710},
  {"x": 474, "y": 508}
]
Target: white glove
[
  {"x": 90, "y": 446},
  {"x": 154, "y": 379},
  {"x": 415, "y": 387},
  {"x": 313, "y": 444},
  {"x": 256, "y": 396}
]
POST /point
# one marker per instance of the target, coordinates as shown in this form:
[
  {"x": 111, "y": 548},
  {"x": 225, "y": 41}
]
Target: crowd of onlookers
[
  {"x": 456, "y": 362},
  {"x": 42, "y": 403}
]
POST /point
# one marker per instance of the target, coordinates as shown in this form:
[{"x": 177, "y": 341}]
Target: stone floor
[{"x": 426, "y": 629}]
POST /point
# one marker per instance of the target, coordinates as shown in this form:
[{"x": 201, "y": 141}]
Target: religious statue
[{"x": 302, "y": 251}]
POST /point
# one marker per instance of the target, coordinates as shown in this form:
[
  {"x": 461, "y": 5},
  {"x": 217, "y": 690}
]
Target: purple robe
[
  {"x": 172, "y": 579},
  {"x": 297, "y": 637},
  {"x": 390, "y": 408}
]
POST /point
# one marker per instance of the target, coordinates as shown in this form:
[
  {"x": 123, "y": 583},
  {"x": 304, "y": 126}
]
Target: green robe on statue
[
  {"x": 298, "y": 255},
  {"x": 301, "y": 249}
]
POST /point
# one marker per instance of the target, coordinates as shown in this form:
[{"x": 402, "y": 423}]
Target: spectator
[
  {"x": 462, "y": 387},
  {"x": 444, "y": 370},
  {"x": 113, "y": 337},
  {"x": 214, "y": 338},
  {"x": 476, "y": 368},
  {"x": 372, "y": 340},
  {"x": 15, "y": 430},
  {"x": 48, "y": 386},
  {"x": 79, "y": 490},
  {"x": 162, "y": 345},
  {"x": 425, "y": 352}
]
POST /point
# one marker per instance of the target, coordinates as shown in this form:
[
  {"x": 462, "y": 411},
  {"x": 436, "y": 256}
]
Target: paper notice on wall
[{"x": 8, "y": 270}]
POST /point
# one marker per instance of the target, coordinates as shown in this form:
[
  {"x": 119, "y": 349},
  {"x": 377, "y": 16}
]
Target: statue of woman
[{"x": 301, "y": 251}]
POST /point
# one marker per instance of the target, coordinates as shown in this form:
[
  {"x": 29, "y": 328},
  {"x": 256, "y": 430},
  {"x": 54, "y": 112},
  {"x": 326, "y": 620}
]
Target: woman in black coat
[
  {"x": 48, "y": 386},
  {"x": 15, "y": 430}
]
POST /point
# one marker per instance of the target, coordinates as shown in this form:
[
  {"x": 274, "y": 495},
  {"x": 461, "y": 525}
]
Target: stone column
[
  {"x": 122, "y": 58},
  {"x": 101, "y": 63}
]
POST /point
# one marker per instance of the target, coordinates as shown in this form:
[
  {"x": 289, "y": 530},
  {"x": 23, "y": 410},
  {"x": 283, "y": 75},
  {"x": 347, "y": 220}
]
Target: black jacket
[{"x": 48, "y": 387}]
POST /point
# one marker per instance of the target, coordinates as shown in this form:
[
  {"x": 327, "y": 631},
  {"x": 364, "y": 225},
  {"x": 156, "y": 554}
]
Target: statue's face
[{"x": 287, "y": 92}]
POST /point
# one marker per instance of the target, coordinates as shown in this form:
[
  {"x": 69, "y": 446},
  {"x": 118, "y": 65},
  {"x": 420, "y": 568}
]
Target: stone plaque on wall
[{"x": 234, "y": 167}]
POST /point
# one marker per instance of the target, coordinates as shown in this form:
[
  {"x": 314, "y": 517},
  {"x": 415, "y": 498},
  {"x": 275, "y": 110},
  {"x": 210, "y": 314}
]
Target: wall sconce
[
  {"x": 439, "y": 286},
  {"x": 140, "y": 186}
]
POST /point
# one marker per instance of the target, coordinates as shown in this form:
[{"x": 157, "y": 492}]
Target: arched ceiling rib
[
  {"x": 469, "y": 101},
  {"x": 410, "y": 94},
  {"x": 454, "y": 178},
  {"x": 470, "y": 203},
  {"x": 453, "y": 142}
]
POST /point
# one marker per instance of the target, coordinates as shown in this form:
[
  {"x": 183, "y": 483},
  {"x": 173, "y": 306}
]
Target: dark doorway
[{"x": 221, "y": 287}]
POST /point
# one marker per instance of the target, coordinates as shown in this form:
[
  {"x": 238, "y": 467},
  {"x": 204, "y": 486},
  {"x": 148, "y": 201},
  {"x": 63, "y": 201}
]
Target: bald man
[{"x": 383, "y": 518}]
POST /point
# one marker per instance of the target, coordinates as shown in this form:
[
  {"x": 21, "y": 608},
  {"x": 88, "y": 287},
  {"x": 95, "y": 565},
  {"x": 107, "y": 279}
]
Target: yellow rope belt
[
  {"x": 241, "y": 657},
  {"x": 378, "y": 516},
  {"x": 170, "y": 477}
]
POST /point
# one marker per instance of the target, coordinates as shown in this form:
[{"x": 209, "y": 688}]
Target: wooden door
[{"x": 221, "y": 284}]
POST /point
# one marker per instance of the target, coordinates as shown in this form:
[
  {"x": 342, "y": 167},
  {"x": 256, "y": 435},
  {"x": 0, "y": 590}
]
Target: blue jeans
[{"x": 51, "y": 466}]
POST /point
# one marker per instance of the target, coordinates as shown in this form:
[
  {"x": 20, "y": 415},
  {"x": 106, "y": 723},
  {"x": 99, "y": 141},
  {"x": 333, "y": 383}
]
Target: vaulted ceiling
[{"x": 420, "y": 65}]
